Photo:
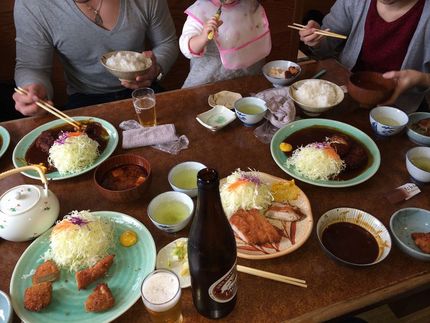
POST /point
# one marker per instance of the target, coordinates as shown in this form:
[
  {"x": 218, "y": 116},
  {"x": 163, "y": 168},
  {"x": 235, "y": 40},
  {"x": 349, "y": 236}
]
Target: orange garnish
[
  {"x": 62, "y": 225},
  {"x": 74, "y": 134},
  {"x": 236, "y": 184}
]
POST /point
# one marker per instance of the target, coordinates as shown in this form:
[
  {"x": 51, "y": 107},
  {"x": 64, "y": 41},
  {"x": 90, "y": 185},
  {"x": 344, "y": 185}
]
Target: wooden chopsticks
[
  {"x": 318, "y": 31},
  {"x": 46, "y": 106},
  {"x": 269, "y": 275}
]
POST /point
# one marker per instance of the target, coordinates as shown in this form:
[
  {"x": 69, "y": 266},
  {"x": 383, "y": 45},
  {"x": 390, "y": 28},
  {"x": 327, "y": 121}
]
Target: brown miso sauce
[
  {"x": 124, "y": 177},
  {"x": 319, "y": 134},
  {"x": 94, "y": 130},
  {"x": 350, "y": 242}
]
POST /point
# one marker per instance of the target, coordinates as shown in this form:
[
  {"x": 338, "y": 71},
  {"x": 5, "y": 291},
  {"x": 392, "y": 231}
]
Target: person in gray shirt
[
  {"x": 81, "y": 31},
  {"x": 386, "y": 36}
]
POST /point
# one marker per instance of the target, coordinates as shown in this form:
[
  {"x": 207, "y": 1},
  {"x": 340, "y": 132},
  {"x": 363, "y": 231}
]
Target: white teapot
[{"x": 26, "y": 211}]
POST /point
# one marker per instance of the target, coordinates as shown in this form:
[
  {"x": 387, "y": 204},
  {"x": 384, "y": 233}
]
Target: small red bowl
[
  {"x": 132, "y": 193},
  {"x": 370, "y": 88}
]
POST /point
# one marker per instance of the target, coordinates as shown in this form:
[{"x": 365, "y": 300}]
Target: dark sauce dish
[{"x": 353, "y": 237}]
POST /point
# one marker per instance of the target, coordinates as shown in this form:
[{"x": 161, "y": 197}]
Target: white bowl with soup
[
  {"x": 418, "y": 163},
  {"x": 387, "y": 121},
  {"x": 250, "y": 110},
  {"x": 183, "y": 177},
  {"x": 171, "y": 211}
]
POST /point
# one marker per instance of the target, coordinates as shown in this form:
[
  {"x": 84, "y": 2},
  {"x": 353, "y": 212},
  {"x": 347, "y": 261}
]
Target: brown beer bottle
[{"x": 212, "y": 251}]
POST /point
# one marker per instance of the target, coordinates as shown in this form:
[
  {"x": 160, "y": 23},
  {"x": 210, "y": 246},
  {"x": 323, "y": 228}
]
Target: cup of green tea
[
  {"x": 250, "y": 110},
  {"x": 387, "y": 121}
]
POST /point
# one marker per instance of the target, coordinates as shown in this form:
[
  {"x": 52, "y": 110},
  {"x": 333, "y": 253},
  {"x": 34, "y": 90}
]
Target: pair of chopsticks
[
  {"x": 272, "y": 276},
  {"x": 46, "y": 106},
  {"x": 318, "y": 31}
]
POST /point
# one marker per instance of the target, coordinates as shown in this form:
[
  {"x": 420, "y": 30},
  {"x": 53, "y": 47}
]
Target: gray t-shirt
[{"x": 43, "y": 26}]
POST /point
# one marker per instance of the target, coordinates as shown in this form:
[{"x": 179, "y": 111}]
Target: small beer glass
[
  {"x": 161, "y": 294},
  {"x": 144, "y": 105}
]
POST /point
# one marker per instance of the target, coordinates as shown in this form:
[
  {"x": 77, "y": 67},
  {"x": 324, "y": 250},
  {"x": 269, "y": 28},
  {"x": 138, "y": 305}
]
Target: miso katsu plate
[{"x": 64, "y": 150}]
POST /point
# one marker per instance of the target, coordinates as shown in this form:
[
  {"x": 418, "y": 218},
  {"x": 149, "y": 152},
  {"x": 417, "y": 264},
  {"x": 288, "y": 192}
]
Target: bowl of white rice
[
  {"x": 315, "y": 96},
  {"x": 126, "y": 65}
]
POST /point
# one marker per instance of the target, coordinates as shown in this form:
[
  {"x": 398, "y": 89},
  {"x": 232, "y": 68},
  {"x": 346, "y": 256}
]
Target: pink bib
[{"x": 244, "y": 37}]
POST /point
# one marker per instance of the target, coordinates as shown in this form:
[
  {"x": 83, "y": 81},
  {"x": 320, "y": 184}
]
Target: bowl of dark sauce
[
  {"x": 353, "y": 237},
  {"x": 123, "y": 178}
]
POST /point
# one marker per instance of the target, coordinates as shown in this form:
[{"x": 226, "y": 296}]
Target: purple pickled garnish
[
  {"x": 78, "y": 221},
  {"x": 251, "y": 178},
  {"x": 62, "y": 137}
]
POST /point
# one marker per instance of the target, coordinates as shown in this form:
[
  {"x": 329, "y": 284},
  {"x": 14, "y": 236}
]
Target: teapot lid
[{"x": 19, "y": 199}]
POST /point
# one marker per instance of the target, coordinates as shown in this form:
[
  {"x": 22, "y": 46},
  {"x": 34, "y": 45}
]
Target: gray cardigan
[
  {"x": 45, "y": 25},
  {"x": 348, "y": 17}
]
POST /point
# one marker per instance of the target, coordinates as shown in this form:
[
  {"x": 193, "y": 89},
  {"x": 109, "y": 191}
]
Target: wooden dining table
[{"x": 333, "y": 289}]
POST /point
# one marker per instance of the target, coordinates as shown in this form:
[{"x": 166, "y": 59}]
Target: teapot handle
[{"x": 40, "y": 169}]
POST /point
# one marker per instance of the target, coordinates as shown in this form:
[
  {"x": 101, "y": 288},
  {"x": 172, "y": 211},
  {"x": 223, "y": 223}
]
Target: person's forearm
[
  {"x": 198, "y": 43},
  {"x": 425, "y": 80}
]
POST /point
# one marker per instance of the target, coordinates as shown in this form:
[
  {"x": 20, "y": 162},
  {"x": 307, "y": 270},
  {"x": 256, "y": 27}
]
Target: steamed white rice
[
  {"x": 128, "y": 61},
  {"x": 316, "y": 93}
]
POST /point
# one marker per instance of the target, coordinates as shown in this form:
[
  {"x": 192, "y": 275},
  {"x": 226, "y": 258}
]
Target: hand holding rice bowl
[
  {"x": 126, "y": 65},
  {"x": 315, "y": 96}
]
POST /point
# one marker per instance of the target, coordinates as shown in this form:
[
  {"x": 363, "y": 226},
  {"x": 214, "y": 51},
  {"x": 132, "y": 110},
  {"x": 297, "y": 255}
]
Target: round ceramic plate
[
  {"x": 280, "y": 157},
  {"x": 294, "y": 234},
  {"x": 164, "y": 260},
  {"x": 124, "y": 278},
  {"x": 5, "y": 140},
  {"x": 18, "y": 156}
]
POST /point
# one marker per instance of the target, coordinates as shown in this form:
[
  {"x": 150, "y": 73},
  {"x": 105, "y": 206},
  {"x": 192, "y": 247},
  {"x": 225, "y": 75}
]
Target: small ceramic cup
[
  {"x": 250, "y": 110},
  {"x": 418, "y": 163},
  {"x": 387, "y": 121}
]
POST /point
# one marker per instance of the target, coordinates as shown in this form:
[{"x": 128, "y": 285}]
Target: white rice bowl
[
  {"x": 315, "y": 93},
  {"x": 128, "y": 61}
]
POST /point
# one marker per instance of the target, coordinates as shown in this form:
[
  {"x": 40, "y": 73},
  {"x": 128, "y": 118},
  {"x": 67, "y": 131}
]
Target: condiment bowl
[
  {"x": 183, "y": 177},
  {"x": 313, "y": 109},
  {"x": 280, "y": 65},
  {"x": 6, "y": 310},
  {"x": 370, "y": 88},
  {"x": 117, "y": 178},
  {"x": 123, "y": 74},
  {"x": 171, "y": 211},
  {"x": 406, "y": 221},
  {"x": 418, "y": 163},
  {"x": 364, "y": 220},
  {"x": 250, "y": 110},
  {"x": 387, "y": 121},
  {"x": 416, "y": 133}
]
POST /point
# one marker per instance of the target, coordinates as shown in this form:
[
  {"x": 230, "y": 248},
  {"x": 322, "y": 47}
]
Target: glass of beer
[
  {"x": 161, "y": 294},
  {"x": 144, "y": 105}
]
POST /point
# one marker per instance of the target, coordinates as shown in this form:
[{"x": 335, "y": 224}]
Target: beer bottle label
[{"x": 225, "y": 288}]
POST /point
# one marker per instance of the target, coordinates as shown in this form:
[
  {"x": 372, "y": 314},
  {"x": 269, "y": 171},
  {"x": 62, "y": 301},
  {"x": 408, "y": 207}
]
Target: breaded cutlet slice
[
  {"x": 89, "y": 275},
  {"x": 46, "y": 272},
  {"x": 101, "y": 299},
  {"x": 38, "y": 296}
]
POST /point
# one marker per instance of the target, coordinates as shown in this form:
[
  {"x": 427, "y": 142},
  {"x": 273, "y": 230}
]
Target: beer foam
[{"x": 161, "y": 291}]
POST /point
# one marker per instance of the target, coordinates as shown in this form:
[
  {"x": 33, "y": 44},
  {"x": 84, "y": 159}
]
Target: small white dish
[
  {"x": 182, "y": 174},
  {"x": 216, "y": 118},
  {"x": 225, "y": 98},
  {"x": 165, "y": 259},
  {"x": 6, "y": 311}
]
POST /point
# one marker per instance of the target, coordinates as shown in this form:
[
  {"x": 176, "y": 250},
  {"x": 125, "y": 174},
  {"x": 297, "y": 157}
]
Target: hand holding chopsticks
[
  {"x": 318, "y": 31},
  {"x": 51, "y": 109},
  {"x": 269, "y": 275}
]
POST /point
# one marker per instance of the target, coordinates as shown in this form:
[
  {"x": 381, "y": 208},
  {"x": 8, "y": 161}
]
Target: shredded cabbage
[
  {"x": 245, "y": 190},
  {"x": 316, "y": 161},
  {"x": 80, "y": 240},
  {"x": 73, "y": 153}
]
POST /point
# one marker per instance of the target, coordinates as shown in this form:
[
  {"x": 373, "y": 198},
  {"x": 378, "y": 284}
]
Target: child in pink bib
[{"x": 241, "y": 40}]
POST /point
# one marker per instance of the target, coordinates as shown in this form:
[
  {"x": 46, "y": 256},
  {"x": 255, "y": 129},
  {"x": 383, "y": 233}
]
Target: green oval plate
[
  {"x": 124, "y": 278},
  {"x": 5, "y": 137},
  {"x": 18, "y": 155},
  {"x": 280, "y": 157}
]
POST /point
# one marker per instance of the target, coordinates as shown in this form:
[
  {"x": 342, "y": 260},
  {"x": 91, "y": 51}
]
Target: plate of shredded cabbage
[
  {"x": 124, "y": 277},
  {"x": 318, "y": 163},
  {"x": 73, "y": 155}
]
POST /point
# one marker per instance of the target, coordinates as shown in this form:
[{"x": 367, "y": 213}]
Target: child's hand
[{"x": 211, "y": 25}]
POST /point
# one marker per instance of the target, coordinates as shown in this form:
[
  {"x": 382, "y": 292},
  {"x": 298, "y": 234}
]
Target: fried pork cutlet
[
  {"x": 46, "y": 272},
  {"x": 254, "y": 228},
  {"x": 38, "y": 296},
  {"x": 283, "y": 211},
  {"x": 101, "y": 299},
  {"x": 91, "y": 274},
  {"x": 422, "y": 240}
]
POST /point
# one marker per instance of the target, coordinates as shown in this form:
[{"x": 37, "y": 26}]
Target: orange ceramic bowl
[
  {"x": 123, "y": 178},
  {"x": 370, "y": 88}
]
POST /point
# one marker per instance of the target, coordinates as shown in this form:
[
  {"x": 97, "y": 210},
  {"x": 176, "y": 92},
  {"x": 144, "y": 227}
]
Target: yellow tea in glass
[{"x": 144, "y": 105}]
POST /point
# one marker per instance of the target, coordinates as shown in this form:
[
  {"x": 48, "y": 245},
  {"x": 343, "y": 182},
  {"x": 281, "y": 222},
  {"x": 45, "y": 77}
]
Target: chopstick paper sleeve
[{"x": 148, "y": 136}]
